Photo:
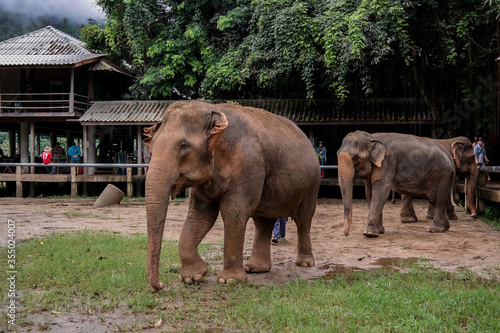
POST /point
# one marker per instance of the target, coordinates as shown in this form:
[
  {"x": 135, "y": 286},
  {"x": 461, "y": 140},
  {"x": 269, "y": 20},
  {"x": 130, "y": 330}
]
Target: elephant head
[
  {"x": 360, "y": 156},
  {"x": 463, "y": 155},
  {"x": 183, "y": 146}
]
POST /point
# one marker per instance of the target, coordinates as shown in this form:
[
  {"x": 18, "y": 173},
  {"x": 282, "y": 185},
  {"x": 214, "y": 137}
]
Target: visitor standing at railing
[
  {"x": 46, "y": 159},
  {"x": 74, "y": 153},
  {"x": 56, "y": 155}
]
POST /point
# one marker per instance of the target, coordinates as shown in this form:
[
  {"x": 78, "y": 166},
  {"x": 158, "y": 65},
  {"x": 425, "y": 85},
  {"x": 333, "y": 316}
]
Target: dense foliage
[{"x": 302, "y": 49}]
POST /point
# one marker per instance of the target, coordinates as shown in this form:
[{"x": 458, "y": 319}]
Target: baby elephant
[{"x": 408, "y": 164}]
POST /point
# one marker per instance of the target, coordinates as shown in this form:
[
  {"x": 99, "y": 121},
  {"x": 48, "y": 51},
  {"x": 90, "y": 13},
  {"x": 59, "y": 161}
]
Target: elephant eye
[
  {"x": 183, "y": 146},
  {"x": 355, "y": 158}
]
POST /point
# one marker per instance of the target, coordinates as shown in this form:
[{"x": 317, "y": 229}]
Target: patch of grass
[
  {"x": 492, "y": 215},
  {"x": 71, "y": 213},
  {"x": 94, "y": 272}
]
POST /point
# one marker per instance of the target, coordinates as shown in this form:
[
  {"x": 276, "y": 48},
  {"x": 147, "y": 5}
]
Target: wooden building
[{"x": 48, "y": 79}]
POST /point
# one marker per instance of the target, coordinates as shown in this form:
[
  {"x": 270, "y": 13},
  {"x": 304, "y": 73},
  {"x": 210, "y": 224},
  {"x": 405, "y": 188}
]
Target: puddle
[
  {"x": 334, "y": 270},
  {"x": 394, "y": 264},
  {"x": 391, "y": 265}
]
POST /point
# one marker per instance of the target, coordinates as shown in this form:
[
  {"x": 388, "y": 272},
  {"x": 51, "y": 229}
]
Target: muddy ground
[{"x": 469, "y": 244}]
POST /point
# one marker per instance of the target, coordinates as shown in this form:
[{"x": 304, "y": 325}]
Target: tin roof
[
  {"x": 125, "y": 112},
  {"x": 300, "y": 111},
  {"x": 44, "y": 47}
]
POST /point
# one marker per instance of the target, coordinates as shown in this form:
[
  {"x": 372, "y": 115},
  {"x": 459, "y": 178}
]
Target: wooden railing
[{"x": 43, "y": 102}]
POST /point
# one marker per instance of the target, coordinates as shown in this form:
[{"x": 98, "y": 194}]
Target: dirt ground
[{"x": 469, "y": 244}]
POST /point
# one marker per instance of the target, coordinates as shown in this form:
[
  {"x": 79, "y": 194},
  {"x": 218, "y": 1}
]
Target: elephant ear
[
  {"x": 457, "y": 149},
  {"x": 217, "y": 123},
  {"x": 149, "y": 132},
  {"x": 377, "y": 152}
]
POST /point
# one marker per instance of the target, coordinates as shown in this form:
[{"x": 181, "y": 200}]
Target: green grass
[
  {"x": 492, "y": 215},
  {"x": 94, "y": 272}
]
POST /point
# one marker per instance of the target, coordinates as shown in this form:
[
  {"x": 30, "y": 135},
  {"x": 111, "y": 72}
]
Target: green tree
[{"x": 436, "y": 50}]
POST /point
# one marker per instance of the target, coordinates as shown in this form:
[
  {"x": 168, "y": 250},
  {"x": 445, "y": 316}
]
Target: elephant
[
  {"x": 405, "y": 163},
  {"x": 462, "y": 152},
  {"x": 242, "y": 162}
]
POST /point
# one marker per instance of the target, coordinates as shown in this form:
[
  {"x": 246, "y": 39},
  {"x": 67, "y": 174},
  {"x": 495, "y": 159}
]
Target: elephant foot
[
  {"x": 435, "y": 228},
  {"x": 408, "y": 219},
  {"x": 381, "y": 230},
  {"x": 372, "y": 231},
  {"x": 452, "y": 216},
  {"x": 194, "y": 273},
  {"x": 305, "y": 260},
  {"x": 429, "y": 216},
  {"x": 228, "y": 276},
  {"x": 254, "y": 265}
]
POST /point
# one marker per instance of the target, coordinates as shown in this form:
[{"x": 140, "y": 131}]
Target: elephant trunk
[
  {"x": 346, "y": 182},
  {"x": 158, "y": 187},
  {"x": 471, "y": 190}
]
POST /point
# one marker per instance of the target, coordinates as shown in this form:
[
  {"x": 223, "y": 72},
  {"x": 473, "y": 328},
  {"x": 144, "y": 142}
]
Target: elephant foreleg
[
  {"x": 260, "y": 260},
  {"x": 197, "y": 224},
  {"x": 377, "y": 196}
]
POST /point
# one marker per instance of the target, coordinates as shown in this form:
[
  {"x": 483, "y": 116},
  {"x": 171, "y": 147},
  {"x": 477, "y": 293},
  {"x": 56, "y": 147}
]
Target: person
[
  {"x": 46, "y": 159},
  {"x": 147, "y": 157},
  {"x": 279, "y": 229},
  {"x": 56, "y": 155},
  {"x": 481, "y": 158},
  {"x": 475, "y": 142},
  {"x": 321, "y": 151},
  {"x": 74, "y": 153}
]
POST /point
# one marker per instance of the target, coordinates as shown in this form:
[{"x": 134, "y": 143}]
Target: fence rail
[
  {"x": 43, "y": 102},
  {"x": 20, "y": 177}
]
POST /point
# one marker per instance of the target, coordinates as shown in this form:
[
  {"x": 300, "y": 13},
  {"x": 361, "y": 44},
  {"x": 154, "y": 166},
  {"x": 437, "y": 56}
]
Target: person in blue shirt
[
  {"x": 481, "y": 158},
  {"x": 321, "y": 152},
  {"x": 74, "y": 153}
]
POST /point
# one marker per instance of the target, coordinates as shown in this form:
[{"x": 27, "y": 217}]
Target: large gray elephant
[
  {"x": 406, "y": 163},
  {"x": 239, "y": 161},
  {"x": 462, "y": 152}
]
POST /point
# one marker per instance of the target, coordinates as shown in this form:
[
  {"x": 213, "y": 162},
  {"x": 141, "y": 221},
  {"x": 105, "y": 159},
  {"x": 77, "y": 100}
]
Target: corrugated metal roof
[
  {"x": 125, "y": 112},
  {"x": 302, "y": 112},
  {"x": 46, "y": 46}
]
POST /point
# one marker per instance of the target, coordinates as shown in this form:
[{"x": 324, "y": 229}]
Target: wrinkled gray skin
[
  {"x": 462, "y": 152},
  {"x": 406, "y": 163},
  {"x": 239, "y": 162}
]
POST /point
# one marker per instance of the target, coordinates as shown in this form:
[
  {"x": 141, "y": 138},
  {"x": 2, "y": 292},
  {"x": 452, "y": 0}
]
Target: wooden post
[
  {"x": 91, "y": 151},
  {"x": 84, "y": 148},
  {"x": 24, "y": 145},
  {"x": 130, "y": 183},
  {"x": 72, "y": 91},
  {"x": 74, "y": 184},
  {"x": 12, "y": 143},
  {"x": 139, "y": 148},
  {"x": 139, "y": 158},
  {"x": 32, "y": 157},
  {"x": 19, "y": 183}
]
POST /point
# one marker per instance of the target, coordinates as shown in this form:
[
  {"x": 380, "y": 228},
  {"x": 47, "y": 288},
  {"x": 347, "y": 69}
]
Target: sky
[{"x": 77, "y": 11}]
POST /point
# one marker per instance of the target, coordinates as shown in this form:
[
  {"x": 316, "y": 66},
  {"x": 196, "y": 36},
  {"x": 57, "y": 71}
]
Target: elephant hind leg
[
  {"x": 260, "y": 260},
  {"x": 303, "y": 221},
  {"x": 440, "y": 223}
]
